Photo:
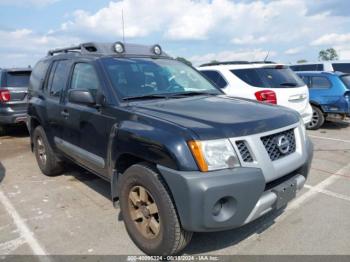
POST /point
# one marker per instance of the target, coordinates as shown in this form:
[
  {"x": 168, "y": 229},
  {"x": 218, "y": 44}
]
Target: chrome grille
[
  {"x": 244, "y": 151},
  {"x": 271, "y": 144}
]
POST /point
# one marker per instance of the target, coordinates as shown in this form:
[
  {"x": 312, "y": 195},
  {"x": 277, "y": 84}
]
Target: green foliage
[
  {"x": 328, "y": 54},
  {"x": 301, "y": 61},
  {"x": 184, "y": 60}
]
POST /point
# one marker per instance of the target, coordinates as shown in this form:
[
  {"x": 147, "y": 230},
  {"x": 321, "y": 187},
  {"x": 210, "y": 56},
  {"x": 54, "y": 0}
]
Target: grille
[
  {"x": 270, "y": 142},
  {"x": 244, "y": 151}
]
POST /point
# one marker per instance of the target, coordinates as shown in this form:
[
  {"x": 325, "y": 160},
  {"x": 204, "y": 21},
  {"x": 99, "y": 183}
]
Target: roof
[
  {"x": 16, "y": 69},
  {"x": 323, "y": 62},
  {"x": 236, "y": 63},
  {"x": 321, "y": 73},
  {"x": 102, "y": 49}
]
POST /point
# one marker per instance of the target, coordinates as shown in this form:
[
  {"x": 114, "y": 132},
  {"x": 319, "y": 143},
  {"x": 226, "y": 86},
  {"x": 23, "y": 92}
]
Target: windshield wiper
[
  {"x": 152, "y": 96},
  {"x": 288, "y": 84},
  {"x": 192, "y": 93}
]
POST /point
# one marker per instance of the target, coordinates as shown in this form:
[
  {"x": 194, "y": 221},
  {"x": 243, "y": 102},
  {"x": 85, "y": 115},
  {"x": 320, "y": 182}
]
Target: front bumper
[{"x": 242, "y": 192}]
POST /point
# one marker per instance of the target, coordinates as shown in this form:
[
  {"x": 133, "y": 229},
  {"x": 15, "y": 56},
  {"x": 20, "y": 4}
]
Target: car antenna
[
  {"x": 123, "y": 26},
  {"x": 267, "y": 55}
]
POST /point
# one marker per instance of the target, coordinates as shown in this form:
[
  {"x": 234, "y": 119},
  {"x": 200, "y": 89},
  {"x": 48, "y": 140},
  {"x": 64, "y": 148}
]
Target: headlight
[{"x": 214, "y": 154}]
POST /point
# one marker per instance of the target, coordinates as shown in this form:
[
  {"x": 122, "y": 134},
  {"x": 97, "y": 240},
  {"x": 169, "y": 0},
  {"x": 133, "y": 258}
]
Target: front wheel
[
  {"x": 317, "y": 119},
  {"x": 149, "y": 213}
]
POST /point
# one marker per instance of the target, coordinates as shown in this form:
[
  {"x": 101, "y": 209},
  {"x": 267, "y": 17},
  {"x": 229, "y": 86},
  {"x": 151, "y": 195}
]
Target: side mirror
[{"x": 81, "y": 96}]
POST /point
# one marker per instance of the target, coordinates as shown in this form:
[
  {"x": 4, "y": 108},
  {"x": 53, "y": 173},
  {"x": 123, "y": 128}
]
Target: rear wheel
[
  {"x": 149, "y": 213},
  {"x": 317, "y": 119},
  {"x": 45, "y": 156}
]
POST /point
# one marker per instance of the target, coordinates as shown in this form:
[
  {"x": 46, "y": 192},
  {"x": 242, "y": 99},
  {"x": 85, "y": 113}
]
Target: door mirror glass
[{"x": 81, "y": 96}]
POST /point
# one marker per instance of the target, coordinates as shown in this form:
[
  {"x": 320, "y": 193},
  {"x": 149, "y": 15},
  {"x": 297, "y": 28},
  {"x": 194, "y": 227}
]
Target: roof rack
[
  {"x": 263, "y": 62},
  {"x": 95, "y": 48}
]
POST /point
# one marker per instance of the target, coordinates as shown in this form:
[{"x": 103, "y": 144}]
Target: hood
[{"x": 212, "y": 117}]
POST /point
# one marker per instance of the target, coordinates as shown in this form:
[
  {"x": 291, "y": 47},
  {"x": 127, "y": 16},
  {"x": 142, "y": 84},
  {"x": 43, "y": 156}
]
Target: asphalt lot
[{"x": 72, "y": 213}]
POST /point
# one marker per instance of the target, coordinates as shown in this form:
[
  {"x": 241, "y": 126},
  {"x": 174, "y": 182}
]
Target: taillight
[
  {"x": 267, "y": 96},
  {"x": 5, "y": 95}
]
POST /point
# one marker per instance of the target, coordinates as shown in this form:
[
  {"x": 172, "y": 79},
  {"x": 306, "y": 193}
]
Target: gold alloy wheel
[{"x": 144, "y": 212}]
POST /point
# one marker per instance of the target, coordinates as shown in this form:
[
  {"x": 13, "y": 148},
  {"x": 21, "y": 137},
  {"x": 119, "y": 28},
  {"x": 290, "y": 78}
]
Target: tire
[
  {"x": 2, "y": 130},
  {"x": 317, "y": 119},
  {"x": 168, "y": 238},
  {"x": 48, "y": 163}
]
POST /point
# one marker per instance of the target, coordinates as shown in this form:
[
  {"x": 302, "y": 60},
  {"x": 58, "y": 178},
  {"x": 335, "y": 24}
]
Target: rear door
[{"x": 16, "y": 82}]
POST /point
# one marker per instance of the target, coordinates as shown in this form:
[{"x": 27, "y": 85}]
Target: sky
[{"x": 199, "y": 30}]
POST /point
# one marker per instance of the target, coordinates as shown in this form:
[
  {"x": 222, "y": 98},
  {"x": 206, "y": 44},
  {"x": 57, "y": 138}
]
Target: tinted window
[
  {"x": 342, "y": 67},
  {"x": 306, "y": 80},
  {"x": 215, "y": 77},
  {"x": 308, "y": 67},
  {"x": 17, "y": 79},
  {"x": 58, "y": 78},
  {"x": 143, "y": 76},
  {"x": 320, "y": 82},
  {"x": 269, "y": 77},
  {"x": 85, "y": 77},
  {"x": 346, "y": 80},
  {"x": 38, "y": 74}
]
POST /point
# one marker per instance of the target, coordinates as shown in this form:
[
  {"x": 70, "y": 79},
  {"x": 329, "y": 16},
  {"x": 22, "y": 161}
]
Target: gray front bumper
[{"x": 246, "y": 194}]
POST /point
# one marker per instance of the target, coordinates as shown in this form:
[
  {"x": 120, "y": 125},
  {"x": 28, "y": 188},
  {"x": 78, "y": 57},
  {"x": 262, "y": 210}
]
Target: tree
[
  {"x": 328, "y": 54},
  {"x": 301, "y": 61},
  {"x": 184, "y": 60}
]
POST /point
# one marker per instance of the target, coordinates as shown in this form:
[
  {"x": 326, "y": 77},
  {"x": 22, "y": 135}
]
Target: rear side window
[
  {"x": 215, "y": 77},
  {"x": 341, "y": 67},
  {"x": 85, "y": 77},
  {"x": 58, "y": 78},
  {"x": 269, "y": 77},
  {"x": 308, "y": 67},
  {"x": 38, "y": 75},
  {"x": 320, "y": 82},
  {"x": 17, "y": 79},
  {"x": 346, "y": 80}
]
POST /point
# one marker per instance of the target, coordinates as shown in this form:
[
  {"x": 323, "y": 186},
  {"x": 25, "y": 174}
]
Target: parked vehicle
[
  {"x": 13, "y": 96},
  {"x": 180, "y": 156},
  {"x": 263, "y": 81},
  {"x": 338, "y": 65},
  {"x": 329, "y": 96}
]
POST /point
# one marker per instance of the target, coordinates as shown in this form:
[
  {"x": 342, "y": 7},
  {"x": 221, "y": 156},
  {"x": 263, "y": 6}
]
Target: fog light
[
  {"x": 224, "y": 209},
  {"x": 217, "y": 207},
  {"x": 157, "y": 49},
  {"x": 119, "y": 47}
]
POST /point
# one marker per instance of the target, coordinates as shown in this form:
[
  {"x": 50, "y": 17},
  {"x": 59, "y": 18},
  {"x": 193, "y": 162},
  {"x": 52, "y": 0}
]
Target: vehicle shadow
[
  {"x": 331, "y": 125},
  {"x": 78, "y": 174},
  {"x": 14, "y": 131},
  {"x": 207, "y": 242},
  {"x": 2, "y": 172}
]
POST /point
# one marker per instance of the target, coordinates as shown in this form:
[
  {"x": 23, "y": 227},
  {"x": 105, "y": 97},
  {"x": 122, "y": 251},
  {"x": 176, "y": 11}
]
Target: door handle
[{"x": 65, "y": 113}]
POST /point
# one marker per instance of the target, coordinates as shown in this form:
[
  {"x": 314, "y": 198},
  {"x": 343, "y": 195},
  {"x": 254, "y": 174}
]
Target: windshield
[
  {"x": 140, "y": 77},
  {"x": 267, "y": 77},
  {"x": 17, "y": 79},
  {"x": 346, "y": 80}
]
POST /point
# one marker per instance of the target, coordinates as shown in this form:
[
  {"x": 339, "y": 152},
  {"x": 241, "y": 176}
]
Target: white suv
[
  {"x": 262, "y": 81},
  {"x": 339, "y": 65}
]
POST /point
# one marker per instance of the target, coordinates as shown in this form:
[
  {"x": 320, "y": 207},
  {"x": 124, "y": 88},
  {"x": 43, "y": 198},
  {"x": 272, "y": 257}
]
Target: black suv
[
  {"x": 13, "y": 95},
  {"x": 181, "y": 157}
]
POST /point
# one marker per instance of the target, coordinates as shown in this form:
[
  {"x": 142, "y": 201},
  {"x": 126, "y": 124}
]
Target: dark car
[
  {"x": 13, "y": 95},
  {"x": 329, "y": 96},
  {"x": 180, "y": 156}
]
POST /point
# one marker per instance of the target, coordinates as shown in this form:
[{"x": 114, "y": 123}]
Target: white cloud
[
  {"x": 293, "y": 51},
  {"x": 240, "y": 55},
  {"x": 249, "y": 40},
  {"x": 24, "y": 47},
  {"x": 28, "y": 3},
  {"x": 332, "y": 39}
]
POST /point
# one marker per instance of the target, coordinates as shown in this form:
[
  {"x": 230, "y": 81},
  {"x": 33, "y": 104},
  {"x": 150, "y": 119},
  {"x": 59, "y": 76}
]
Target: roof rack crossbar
[
  {"x": 65, "y": 50},
  {"x": 237, "y": 63}
]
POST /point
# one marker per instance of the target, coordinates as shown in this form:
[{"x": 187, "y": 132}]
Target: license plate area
[{"x": 285, "y": 192}]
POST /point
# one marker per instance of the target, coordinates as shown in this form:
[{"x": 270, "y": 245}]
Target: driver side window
[{"x": 85, "y": 77}]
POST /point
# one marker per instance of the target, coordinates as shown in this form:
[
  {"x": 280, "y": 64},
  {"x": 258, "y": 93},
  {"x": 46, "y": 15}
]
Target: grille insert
[
  {"x": 244, "y": 151},
  {"x": 271, "y": 144}
]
